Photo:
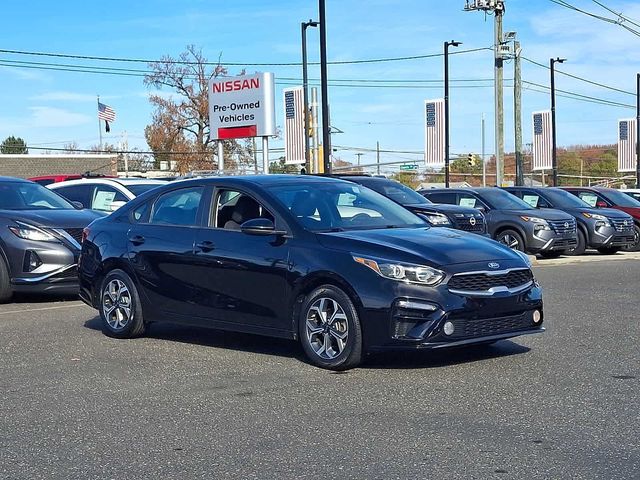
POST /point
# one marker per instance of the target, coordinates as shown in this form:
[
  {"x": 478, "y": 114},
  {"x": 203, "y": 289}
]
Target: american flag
[
  {"x": 434, "y": 132},
  {"x": 106, "y": 113},
  {"x": 294, "y": 126},
  {"x": 542, "y": 141},
  {"x": 627, "y": 145}
]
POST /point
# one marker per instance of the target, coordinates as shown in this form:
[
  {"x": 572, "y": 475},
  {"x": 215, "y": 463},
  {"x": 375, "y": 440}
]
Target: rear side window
[
  {"x": 104, "y": 197},
  {"x": 77, "y": 193},
  {"x": 442, "y": 197},
  {"x": 178, "y": 207}
]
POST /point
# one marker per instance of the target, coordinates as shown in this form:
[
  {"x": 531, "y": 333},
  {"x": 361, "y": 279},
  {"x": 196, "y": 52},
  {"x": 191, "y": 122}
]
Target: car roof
[
  {"x": 262, "y": 180},
  {"x": 110, "y": 181},
  {"x": 14, "y": 180}
]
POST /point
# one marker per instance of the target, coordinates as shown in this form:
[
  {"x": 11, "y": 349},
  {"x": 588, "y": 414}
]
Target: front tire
[
  {"x": 581, "y": 246},
  {"x": 6, "y": 292},
  {"x": 609, "y": 250},
  {"x": 330, "y": 330},
  {"x": 120, "y": 307},
  {"x": 511, "y": 239},
  {"x": 635, "y": 247}
]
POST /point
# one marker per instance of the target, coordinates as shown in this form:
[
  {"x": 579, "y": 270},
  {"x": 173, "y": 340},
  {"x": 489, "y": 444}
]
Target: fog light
[
  {"x": 449, "y": 328},
  {"x": 537, "y": 317},
  {"x": 31, "y": 261}
]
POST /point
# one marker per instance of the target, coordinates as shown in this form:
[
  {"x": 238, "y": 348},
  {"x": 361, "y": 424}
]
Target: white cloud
[
  {"x": 66, "y": 97},
  {"x": 45, "y": 117}
]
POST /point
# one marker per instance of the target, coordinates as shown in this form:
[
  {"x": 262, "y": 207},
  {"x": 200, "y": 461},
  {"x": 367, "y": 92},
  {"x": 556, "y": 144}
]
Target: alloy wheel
[
  {"x": 116, "y": 304},
  {"x": 327, "y": 328},
  {"x": 510, "y": 241}
]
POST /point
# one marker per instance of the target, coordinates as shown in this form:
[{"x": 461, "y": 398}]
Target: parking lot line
[{"x": 58, "y": 307}]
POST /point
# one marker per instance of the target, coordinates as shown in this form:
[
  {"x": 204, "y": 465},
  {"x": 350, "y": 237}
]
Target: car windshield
[
  {"x": 395, "y": 191},
  {"x": 563, "y": 199},
  {"x": 140, "y": 188},
  {"x": 620, "y": 199},
  {"x": 339, "y": 206},
  {"x": 30, "y": 196},
  {"x": 502, "y": 200}
]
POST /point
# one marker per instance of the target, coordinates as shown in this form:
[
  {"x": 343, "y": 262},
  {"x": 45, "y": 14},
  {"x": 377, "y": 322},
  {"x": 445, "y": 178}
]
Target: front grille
[
  {"x": 470, "y": 223},
  {"x": 565, "y": 243},
  {"x": 75, "y": 233},
  {"x": 563, "y": 227},
  {"x": 465, "y": 328},
  {"x": 621, "y": 227},
  {"x": 622, "y": 240},
  {"x": 480, "y": 282}
]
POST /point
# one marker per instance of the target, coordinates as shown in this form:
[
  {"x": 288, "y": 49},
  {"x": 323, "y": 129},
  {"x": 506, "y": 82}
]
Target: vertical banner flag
[
  {"x": 106, "y": 113},
  {"x": 294, "y": 126},
  {"x": 542, "y": 142},
  {"x": 627, "y": 145},
  {"x": 434, "y": 132}
]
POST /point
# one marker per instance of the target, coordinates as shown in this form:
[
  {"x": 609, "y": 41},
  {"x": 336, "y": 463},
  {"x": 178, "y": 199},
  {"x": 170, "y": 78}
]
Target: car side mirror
[
  {"x": 78, "y": 205},
  {"x": 260, "y": 226},
  {"x": 116, "y": 205},
  {"x": 601, "y": 204}
]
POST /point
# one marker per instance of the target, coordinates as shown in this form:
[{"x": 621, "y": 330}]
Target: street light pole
[
  {"x": 326, "y": 141},
  {"x": 452, "y": 43},
  {"x": 554, "y": 158},
  {"x": 305, "y": 93}
]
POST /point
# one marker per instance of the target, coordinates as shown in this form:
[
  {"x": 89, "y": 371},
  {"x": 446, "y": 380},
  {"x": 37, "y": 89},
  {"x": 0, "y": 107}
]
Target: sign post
[{"x": 242, "y": 107}]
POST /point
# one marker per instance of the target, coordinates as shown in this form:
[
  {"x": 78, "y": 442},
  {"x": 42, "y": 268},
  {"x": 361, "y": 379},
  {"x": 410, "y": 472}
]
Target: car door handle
[
  {"x": 205, "y": 246},
  {"x": 136, "y": 239}
]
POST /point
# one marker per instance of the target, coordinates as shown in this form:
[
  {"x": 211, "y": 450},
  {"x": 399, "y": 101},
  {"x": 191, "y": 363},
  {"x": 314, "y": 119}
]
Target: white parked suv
[{"x": 104, "y": 194}]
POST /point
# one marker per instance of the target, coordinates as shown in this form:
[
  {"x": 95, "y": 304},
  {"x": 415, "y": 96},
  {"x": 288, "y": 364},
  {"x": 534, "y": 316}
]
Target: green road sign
[{"x": 410, "y": 168}]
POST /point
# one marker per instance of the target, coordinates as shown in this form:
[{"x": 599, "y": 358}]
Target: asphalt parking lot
[{"x": 192, "y": 403}]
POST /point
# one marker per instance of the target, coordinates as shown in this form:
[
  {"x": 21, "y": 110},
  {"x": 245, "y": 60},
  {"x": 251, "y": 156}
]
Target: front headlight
[
  {"x": 437, "y": 219},
  {"x": 404, "y": 272},
  {"x": 601, "y": 220},
  {"x": 31, "y": 232},
  {"x": 540, "y": 223}
]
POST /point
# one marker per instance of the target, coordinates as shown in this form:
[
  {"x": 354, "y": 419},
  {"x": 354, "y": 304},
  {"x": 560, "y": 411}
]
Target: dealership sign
[{"x": 242, "y": 107}]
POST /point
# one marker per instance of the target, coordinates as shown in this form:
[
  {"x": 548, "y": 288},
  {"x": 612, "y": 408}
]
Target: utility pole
[
  {"x": 554, "y": 157},
  {"x": 305, "y": 92},
  {"x": 517, "y": 111},
  {"x": 484, "y": 160},
  {"x": 378, "y": 158},
  {"x": 359, "y": 155},
  {"x": 317, "y": 161},
  {"x": 452, "y": 43},
  {"x": 326, "y": 142},
  {"x": 497, "y": 8}
]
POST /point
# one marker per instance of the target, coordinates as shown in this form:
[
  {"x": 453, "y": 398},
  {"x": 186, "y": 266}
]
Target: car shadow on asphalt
[
  {"x": 442, "y": 357},
  {"x": 209, "y": 337},
  {"x": 285, "y": 348},
  {"x": 21, "y": 298}
]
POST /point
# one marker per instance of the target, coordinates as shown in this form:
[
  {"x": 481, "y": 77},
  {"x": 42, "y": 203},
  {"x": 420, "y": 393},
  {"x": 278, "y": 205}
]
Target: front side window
[
  {"x": 620, "y": 199},
  {"x": 341, "y": 206},
  {"x": 177, "y": 207},
  {"x": 104, "y": 198},
  {"x": 589, "y": 198},
  {"x": 442, "y": 197},
  {"x": 30, "y": 196},
  {"x": 233, "y": 208},
  {"x": 467, "y": 200}
]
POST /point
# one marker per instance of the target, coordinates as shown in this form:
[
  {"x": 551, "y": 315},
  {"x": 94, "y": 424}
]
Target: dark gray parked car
[
  {"x": 605, "y": 229},
  {"x": 40, "y": 236},
  {"x": 513, "y": 222}
]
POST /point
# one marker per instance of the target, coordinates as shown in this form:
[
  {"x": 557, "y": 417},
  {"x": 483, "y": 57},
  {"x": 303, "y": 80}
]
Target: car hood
[
  {"x": 607, "y": 212},
  {"x": 431, "y": 246},
  {"x": 444, "y": 208},
  {"x": 54, "y": 218},
  {"x": 544, "y": 213}
]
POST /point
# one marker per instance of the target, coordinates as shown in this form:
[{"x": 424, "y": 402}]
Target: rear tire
[
  {"x": 120, "y": 307},
  {"x": 636, "y": 246},
  {"x": 511, "y": 239},
  {"x": 330, "y": 330},
  {"x": 6, "y": 292},
  {"x": 581, "y": 246},
  {"x": 609, "y": 250}
]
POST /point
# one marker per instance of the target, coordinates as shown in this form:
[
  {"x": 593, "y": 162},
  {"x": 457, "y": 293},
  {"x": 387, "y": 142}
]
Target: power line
[
  {"x": 619, "y": 15},
  {"x": 247, "y": 64},
  {"x": 577, "y": 96},
  {"x": 565, "y": 4}
]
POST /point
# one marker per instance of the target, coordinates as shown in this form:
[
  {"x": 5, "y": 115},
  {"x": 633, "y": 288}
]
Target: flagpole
[{"x": 99, "y": 126}]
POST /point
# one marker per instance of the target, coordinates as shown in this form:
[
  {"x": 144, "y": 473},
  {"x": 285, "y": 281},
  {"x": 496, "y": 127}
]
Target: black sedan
[
  {"x": 327, "y": 262},
  {"x": 40, "y": 239},
  {"x": 437, "y": 215}
]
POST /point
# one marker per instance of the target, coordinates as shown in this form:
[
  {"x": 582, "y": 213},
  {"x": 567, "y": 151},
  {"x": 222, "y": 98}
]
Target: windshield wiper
[{"x": 331, "y": 230}]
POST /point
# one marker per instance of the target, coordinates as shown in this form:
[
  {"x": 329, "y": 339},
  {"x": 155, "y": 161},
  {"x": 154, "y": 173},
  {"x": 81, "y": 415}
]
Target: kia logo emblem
[
  {"x": 494, "y": 265},
  {"x": 472, "y": 221}
]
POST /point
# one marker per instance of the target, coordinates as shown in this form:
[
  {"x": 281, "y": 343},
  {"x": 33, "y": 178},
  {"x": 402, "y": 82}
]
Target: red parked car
[
  {"x": 45, "y": 180},
  {"x": 600, "y": 197}
]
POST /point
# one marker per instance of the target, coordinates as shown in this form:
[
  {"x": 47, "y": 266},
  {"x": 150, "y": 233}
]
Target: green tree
[
  {"x": 410, "y": 179},
  {"x": 281, "y": 167},
  {"x": 14, "y": 145},
  {"x": 606, "y": 166}
]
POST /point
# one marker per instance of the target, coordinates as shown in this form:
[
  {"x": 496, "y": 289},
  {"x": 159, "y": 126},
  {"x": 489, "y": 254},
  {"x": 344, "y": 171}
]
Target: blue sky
[{"x": 49, "y": 108}]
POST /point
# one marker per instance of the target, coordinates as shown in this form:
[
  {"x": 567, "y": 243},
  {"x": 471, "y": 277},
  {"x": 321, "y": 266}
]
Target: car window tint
[
  {"x": 77, "y": 193},
  {"x": 442, "y": 197},
  {"x": 177, "y": 207},
  {"x": 104, "y": 196},
  {"x": 233, "y": 208}
]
